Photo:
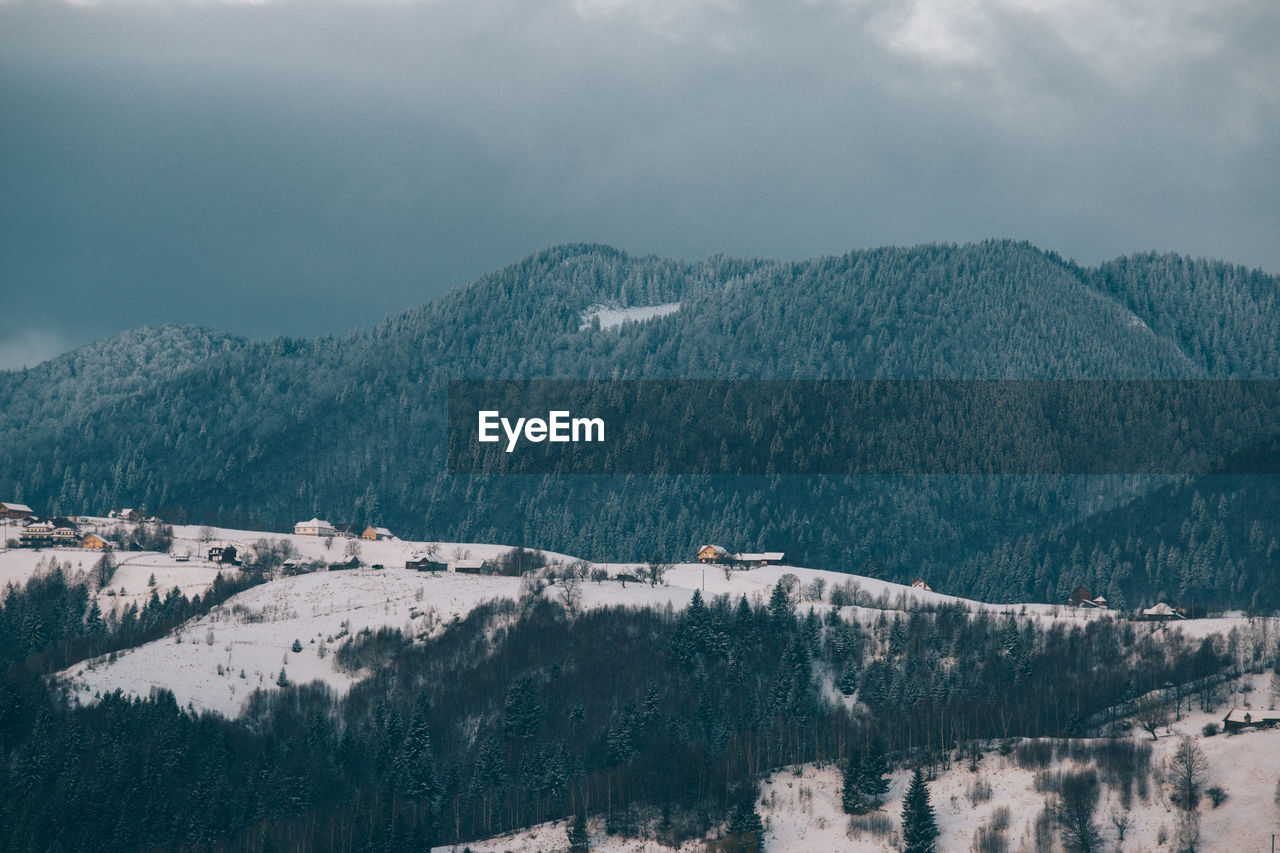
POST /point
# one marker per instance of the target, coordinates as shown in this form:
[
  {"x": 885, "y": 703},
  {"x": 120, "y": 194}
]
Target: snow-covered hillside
[
  {"x": 800, "y": 806},
  {"x": 215, "y": 662}
]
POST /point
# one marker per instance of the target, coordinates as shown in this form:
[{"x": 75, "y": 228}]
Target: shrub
[
  {"x": 979, "y": 791},
  {"x": 876, "y": 824},
  {"x": 1034, "y": 754},
  {"x": 988, "y": 840},
  {"x": 1209, "y": 730}
]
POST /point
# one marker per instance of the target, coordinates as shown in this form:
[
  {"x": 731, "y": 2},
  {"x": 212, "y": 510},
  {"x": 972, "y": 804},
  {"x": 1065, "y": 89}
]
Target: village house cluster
[
  {"x": 1160, "y": 612},
  {"x": 62, "y": 531},
  {"x": 59, "y": 531}
]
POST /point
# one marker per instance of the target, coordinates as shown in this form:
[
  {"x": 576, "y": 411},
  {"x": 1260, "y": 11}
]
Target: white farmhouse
[{"x": 314, "y": 527}]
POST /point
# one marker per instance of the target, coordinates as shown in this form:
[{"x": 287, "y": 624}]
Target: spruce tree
[
  {"x": 852, "y": 797},
  {"x": 864, "y": 782},
  {"x": 848, "y": 681},
  {"x": 874, "y": 785},
  {"x": 746, "y": 830},
  {"x": 919, "y": 828},
  {"x": 780, "y": 608},
  {"x": 414, "y": 764},
  {"x": 579, "y": 841}
]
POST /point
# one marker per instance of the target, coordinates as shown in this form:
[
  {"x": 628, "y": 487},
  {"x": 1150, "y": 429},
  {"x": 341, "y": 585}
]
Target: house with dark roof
[
  {"x": 43, "y": 533},
  {"x": 224, "y": 555},
  {"x": 1239, "y": 719}
]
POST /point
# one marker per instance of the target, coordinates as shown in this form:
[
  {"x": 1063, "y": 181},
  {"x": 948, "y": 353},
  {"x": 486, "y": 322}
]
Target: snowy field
[
  {"x": 613, "y": 317},
  {"x": 216, "y": 661}
]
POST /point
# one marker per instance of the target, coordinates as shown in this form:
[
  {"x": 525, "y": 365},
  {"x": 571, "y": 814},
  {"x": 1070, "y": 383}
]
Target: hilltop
[{"x": 258, "y": 434}]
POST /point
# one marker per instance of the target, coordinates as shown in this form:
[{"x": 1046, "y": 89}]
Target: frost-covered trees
[{"x": 415, "y": 768}]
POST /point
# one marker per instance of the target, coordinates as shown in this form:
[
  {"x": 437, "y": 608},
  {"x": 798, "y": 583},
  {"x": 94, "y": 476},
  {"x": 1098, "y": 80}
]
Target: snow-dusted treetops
[{"x": 201, "y": 427}]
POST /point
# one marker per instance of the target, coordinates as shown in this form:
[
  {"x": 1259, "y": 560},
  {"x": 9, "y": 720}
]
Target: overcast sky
[{"x": 288, "y": 167}]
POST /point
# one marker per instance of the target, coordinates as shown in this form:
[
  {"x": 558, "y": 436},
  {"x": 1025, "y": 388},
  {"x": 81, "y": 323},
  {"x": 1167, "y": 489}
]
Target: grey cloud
[{"x": 303, "y": 167}]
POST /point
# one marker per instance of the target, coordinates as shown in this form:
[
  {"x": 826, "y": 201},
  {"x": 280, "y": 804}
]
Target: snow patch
[{"x": 611, "y": 317}]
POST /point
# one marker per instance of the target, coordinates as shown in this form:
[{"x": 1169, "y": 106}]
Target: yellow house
[
  {"x": 712, "y": 554},
  {"x": 374, "y": 534},
  {"x": 94, "y": 541}
]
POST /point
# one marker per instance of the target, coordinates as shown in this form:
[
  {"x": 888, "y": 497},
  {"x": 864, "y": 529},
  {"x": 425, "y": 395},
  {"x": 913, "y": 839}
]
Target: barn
[{"x": 15, "y": 510}]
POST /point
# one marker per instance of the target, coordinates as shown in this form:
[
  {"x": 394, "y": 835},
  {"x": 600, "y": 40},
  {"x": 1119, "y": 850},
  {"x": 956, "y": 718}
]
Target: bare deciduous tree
[
  {"x": 1073, "y": 809},
  {"x": 1153, "y": 718},
  {"x": 815, "y": 589},
  {"x": 654, "y": 572},
  {"x": 570, "y": 591},
  {"x": 1188, "y": 773},
  {"x": 1120, "y": 820}
]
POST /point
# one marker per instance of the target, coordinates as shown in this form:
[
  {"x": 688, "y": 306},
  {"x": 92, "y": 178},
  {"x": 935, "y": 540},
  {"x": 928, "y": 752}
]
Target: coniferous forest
[
  {"x": 201, "y": 427},
  {"x": 660, "y": 721}
]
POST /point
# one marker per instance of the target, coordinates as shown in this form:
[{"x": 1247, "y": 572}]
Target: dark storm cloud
[{"x": 303, "y": 167}]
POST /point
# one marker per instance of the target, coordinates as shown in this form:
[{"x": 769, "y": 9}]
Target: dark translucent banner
[{"x": 864, "y": 427}]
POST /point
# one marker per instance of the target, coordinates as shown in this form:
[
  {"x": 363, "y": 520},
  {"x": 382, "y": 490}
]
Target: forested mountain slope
[
  {"x": 75, "y": 384},
  {"x": 353, "y": 427}
]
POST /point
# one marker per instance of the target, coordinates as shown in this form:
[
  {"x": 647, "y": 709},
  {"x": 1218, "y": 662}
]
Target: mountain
[
  {"x": 208, "y": 428},
  {"x": 90, "y": 378}
]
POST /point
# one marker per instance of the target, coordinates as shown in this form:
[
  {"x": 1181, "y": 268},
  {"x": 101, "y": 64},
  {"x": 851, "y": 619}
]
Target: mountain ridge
[{"x": 352, "y": 426}]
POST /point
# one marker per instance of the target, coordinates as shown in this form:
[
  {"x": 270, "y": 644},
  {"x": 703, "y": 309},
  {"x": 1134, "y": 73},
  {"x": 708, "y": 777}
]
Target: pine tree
[
  {"x": 919, "y": 827},
  {"x": 414, "y": 763},
  {"x": 780, "y": 607},
  {"x": 522, "y": 712},
  {"x": 579, "y": 841},
  {"x": 852, "y": 797},
  {"x": 848, "y": 681},
  {"x": 874, "y": 784},
  {"x": 297, "y": 646},
  {"x": 897, "y": 637},
  {"x": 746, "y": 830},
  {"x": 864, "y": 782},
  {"x": 283, "y": 680},
  {"x": 93, "y": 623}
]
